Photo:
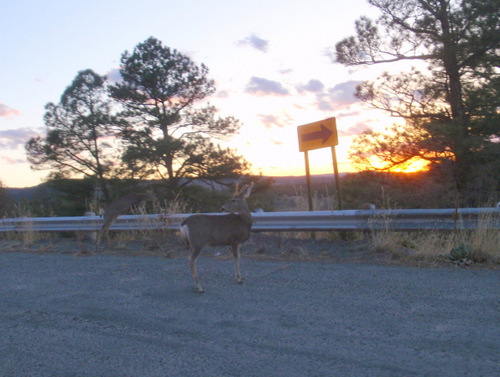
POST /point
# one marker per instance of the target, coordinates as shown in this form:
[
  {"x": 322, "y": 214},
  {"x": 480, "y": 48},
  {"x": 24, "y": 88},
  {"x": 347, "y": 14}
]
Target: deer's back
[
  {"x": 217, "y": 230},
  {"x": 124, "y": 204}
]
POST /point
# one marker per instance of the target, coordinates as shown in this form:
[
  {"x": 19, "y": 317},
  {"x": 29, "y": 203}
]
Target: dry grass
[
  {"x": 435, "y": 245},
  {"x": 429, "y": 246},
  {"x": 28, "y": 236},
  {"x": 485, "y": 241},
  {"x": 152, "y": 238},
  {"x": 432, "y": 246},
  {"x": 298, "y": 202}
]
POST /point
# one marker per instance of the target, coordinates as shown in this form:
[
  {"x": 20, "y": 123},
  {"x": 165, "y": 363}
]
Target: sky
[{"x": 270, "y": 60}]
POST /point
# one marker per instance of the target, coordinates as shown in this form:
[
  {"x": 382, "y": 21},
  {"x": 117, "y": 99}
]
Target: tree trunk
[{"x": 455, "y": 99}]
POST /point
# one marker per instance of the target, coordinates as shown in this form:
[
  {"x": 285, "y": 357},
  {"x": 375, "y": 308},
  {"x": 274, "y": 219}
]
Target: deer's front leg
[
  {"x": 236, "y": 255},
  {"x": 194, "y": 272}
]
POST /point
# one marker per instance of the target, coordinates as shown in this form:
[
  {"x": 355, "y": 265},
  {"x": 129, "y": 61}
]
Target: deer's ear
[{"x": 247, "y": 189}]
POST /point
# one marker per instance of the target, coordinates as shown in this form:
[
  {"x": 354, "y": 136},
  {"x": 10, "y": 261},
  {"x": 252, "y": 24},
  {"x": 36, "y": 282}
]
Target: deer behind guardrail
[
  {"x": 219, "y": 230},
  {"x": 121, "y": 206}
]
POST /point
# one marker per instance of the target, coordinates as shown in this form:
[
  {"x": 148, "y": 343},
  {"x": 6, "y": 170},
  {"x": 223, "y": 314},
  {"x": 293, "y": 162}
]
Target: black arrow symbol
[{"x": 323, "y": 134}]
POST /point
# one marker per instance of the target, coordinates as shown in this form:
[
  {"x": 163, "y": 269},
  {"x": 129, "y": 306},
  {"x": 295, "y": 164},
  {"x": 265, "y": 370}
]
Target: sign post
[
  {"x": 308, "y": 180},
  {"x": 319, "y": 135}
]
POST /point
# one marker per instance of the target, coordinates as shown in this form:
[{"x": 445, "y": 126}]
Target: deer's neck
[{"x": 246, "y": 217}]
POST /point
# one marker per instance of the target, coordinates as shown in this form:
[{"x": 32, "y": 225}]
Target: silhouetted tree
[
  {"x": 166, "y": 137},
  {"x": 79, "y": 129},
  {"x": 450, "y": 109}
]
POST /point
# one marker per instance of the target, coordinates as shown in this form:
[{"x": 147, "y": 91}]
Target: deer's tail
[{"x": 185, "y": 234}]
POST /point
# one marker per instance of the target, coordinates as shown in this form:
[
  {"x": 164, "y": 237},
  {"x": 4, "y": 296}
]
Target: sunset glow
[
  {"x": 413, "y": 165},
  {"x": 268, "y": 72}
]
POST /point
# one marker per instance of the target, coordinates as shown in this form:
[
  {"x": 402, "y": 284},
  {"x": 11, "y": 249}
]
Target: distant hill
[
  {"x": 300, "y": 180},
  {"x": 28, "y": 193},
  {"x": 22, "y": 194}
]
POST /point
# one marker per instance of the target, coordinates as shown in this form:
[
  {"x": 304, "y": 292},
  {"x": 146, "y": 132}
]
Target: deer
[
  {"x": 231, "y": 229},
  {"x": 119, "y": 207}
]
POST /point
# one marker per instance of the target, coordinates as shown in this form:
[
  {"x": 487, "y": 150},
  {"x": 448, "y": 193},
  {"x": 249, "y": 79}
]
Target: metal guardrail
[{"x": 349, "y": 220}]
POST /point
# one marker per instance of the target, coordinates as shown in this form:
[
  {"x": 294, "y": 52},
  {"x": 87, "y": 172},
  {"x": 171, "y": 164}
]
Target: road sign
[{"x": 317, "y": 135}]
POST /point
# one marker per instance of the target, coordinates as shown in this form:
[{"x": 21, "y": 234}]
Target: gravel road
[{"x": 108, "y": 316}]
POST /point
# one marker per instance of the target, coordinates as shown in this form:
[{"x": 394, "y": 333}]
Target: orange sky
[{"x": 270, "y": 63}]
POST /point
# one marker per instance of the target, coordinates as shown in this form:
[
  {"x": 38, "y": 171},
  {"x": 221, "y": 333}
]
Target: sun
[{"x": 414, "y": 165}]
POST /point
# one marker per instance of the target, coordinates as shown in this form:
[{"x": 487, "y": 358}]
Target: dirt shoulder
[{"x": 260, "y": 246}]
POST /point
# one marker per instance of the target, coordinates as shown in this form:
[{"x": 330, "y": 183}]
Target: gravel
[{"x": 126, "y": 314}]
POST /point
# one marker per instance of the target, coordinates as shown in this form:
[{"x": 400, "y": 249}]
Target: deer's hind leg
[
  {"x": 107, "y": 222},
  {"x": 236, "y": 255},
  {"x": 192, "y": 264}
]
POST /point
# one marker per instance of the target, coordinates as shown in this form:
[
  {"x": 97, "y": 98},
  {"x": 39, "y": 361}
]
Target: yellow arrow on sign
[{"x": 317, "y": 135}]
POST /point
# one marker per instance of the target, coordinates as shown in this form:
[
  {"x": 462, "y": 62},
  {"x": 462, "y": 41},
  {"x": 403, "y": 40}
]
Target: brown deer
[
  {"x": 119, "y": 207},
  {"x": 230, "y": 229}
]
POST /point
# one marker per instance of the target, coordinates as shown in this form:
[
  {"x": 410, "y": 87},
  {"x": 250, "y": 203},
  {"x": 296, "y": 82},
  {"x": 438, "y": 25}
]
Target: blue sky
[{"x": 269, "y": 60}]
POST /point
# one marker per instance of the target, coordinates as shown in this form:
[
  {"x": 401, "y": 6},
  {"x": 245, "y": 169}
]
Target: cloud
[
  {"x": 13, "y": 161},
  {"x": 221, "y": 94},
  {"x": 357, "y": 129},
  {"x": 343, "y": 93},
  {"x": 255, "y": 42},
  {"x": 13, "y": 138},
  {"x": 114, "y": 76},
  {"x": 340, "y": 95},
  {"x": 325, "y": 102},
  {"x": 6, "y": 111},
  {"x": 351, "y": 113},
  {"x": 261, "y": 87},
  {"x": 270, "y": 121},
  {"x": 314, "y": 86}
]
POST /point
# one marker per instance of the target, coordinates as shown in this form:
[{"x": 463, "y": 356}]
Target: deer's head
[{"x": 238, "y": 202}]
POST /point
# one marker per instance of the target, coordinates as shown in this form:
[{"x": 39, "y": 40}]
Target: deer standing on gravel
[
  {"x": 219, "y": 230},
  {"x": 119, "y": 207}
]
